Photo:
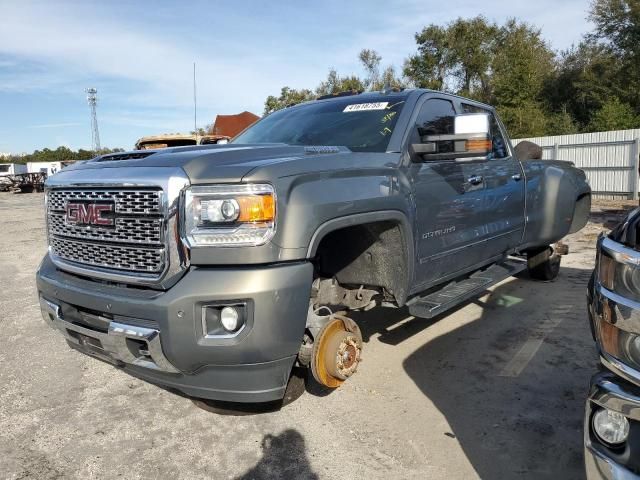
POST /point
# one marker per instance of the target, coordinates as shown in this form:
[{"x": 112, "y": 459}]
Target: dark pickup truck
[
  {"x": 612, "y": 415},
  {"x": 215, "y": 270}
]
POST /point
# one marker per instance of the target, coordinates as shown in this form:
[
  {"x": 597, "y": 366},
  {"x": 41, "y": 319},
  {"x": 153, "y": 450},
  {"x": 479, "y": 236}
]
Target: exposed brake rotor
[{"x": 336, "y": 351}]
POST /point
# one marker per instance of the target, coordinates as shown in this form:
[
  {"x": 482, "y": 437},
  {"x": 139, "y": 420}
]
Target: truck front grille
[
  {"x": 134, "y": 244},
  {"x": 134, "y": 259}
]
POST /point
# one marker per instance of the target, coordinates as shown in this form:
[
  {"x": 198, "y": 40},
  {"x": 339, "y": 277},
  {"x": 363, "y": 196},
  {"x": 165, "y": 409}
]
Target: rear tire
[{"x": 543, "y": 264}]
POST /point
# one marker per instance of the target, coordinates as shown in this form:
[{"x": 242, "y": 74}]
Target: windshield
[{"x": 362, "y": 126}]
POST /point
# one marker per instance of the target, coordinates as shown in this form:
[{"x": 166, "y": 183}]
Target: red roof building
[{"x": 231, "y": 125}]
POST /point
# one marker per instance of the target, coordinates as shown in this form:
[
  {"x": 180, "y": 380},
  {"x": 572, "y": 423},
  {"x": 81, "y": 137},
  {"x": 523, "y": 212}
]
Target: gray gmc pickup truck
[{"x": 215, "y": 270}]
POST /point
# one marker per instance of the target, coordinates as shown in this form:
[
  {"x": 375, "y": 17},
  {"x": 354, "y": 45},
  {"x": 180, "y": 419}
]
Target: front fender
[{"x": 336, "y": 198}]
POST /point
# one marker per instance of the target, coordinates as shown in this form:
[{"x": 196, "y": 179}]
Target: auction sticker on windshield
[{"x": 359, "y": 107}]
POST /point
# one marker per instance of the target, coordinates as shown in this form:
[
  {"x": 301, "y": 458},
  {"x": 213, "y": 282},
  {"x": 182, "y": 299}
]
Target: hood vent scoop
[
  {"x": 321, "y": 149},
  {"x": 123, "y": 156}
]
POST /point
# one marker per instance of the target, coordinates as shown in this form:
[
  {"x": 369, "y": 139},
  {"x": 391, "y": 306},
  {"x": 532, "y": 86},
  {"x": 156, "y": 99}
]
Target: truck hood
[
  {"x": 212, "y": 163},
  {"x": 628, "y": 231}
]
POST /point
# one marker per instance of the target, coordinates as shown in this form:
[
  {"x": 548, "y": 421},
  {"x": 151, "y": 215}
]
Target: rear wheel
[{"x": 543, "y": 264}]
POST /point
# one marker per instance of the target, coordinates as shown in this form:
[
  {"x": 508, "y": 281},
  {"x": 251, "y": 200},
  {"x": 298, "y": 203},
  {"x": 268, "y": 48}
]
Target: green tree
[
  {"x": 561, "y": 123},
  {"x": 527, "y": 119},
  {"x": 614, "y": 115},
  {"x": 618, "y": 22},
  {"x": 334, "y": 83},
  {"x": 60, "y": 154},
  {"x": 428, "y": 67},
  {"x": 202, "y": 131},
  {"x": 371, "y": 62},
  {"x": 520, "y": 65},
  {"x": 585, "y": 77},
  {"x": 288, "y": 96},
  {"x": 617, "y": 27},
  {"x": 455, "y": 58},
  {"x": 506, "y": 66},
  {"x": 472, "y": 43},
  {"x": 375, "y": 80},
  {"x": 390, "y": 79}
]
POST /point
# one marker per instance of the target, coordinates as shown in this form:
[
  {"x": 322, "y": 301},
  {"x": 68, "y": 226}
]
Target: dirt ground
[{"x": 494, "y": 389}]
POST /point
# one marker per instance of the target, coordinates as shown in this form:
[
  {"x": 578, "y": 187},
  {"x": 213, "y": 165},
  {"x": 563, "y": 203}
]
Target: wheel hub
[{"x": 336, "y": 352}]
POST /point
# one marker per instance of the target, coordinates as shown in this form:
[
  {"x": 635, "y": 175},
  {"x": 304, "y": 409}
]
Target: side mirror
[{"x": 471, "y": 139}]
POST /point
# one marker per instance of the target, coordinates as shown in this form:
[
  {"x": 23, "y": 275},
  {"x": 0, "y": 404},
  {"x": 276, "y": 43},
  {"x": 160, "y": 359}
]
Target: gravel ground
[{"x": 495, "y": 389}]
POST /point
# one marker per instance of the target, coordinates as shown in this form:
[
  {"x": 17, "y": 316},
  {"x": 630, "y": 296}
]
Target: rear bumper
[
  {"x": 116, "y": 324},
  {"x": 601, "y": 462}
]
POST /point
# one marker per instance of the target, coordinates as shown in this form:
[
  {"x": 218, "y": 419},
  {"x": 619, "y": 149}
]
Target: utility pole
[
  {"x": 92, "y": 99},
  {"x": 195, "y": 104}
]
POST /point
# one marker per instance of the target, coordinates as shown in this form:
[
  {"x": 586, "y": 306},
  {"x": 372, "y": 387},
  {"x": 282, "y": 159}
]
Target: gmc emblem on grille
[{"x": 89, "y": 214}]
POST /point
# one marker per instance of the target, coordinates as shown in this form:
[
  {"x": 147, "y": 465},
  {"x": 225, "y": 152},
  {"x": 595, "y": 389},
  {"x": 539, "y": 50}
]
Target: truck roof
[{"x": 401, "y": 93}]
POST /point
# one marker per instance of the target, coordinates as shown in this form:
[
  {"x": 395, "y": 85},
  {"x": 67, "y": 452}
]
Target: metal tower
[{"x": 92, "y": 99}]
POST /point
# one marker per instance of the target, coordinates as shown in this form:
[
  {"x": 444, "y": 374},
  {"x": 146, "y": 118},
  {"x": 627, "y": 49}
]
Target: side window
[
  {"x": 436, "y": 117},
  {"x": 500, "y": 149}
]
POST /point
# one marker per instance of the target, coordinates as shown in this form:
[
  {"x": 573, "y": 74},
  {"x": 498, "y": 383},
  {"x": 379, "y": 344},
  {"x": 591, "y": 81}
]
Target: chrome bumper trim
[
  {"x": 608, "y": 394},
  {"x": 614, "y": 396},
  {"x": 112, "y": 345},
  {"x": 599, "y": 467},
  {"x": 621, "y": 369}
]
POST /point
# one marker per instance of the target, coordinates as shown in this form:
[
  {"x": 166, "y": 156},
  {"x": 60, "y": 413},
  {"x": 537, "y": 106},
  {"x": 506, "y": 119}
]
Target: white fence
[{"x": 610, "y": 159}]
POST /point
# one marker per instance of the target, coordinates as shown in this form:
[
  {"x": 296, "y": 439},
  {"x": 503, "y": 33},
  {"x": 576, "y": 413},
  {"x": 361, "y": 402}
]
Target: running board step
[{"x": 455, "y": 293}]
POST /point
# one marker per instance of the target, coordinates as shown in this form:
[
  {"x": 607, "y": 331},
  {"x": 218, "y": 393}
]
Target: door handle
[
  {"x": 475, "y": 179},
  {"x": 517, "y": 177}
]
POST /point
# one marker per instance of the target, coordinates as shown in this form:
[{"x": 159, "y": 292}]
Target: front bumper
[
  {"x": 601, "y": 462},
  {"x": 158, "y": 335}
]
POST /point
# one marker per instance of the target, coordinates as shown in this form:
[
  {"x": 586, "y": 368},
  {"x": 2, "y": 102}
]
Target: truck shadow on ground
[
  {"x": 512, "y": 419},
  {"x": 283, "y": 457}
]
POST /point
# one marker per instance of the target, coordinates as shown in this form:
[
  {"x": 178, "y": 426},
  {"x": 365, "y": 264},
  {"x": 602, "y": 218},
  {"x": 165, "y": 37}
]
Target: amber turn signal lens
[
  {"x": 606, "y": 271},
  {"x": 483, "y": 145},
  {"x": 609, "y": 336},
  {"x": 256, "y": 208}
]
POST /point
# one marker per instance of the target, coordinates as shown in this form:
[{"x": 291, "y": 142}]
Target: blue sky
[{"x": 139, "y": 55}]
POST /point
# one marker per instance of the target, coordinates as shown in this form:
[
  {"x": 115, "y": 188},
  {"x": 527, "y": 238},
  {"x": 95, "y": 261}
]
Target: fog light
[
  {"x": 610, "y": 427},
  {"x": 230, "y": 319}
]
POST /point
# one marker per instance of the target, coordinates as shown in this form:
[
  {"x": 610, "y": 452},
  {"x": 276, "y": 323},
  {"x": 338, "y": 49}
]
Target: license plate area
[{"x": 86, "y": 340}]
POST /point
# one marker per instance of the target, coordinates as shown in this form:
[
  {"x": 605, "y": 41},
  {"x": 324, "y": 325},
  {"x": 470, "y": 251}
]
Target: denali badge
[{"x": 89, "y": 214}]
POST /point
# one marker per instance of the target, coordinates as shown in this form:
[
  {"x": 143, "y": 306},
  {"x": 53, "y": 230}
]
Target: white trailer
[
  {"x": 12, "y": 169},
  {"x": 49, "y": 168}
]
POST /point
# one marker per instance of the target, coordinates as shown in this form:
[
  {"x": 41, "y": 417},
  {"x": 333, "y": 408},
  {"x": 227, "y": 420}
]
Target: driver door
[
  {"x": 449, "y": 198},
  {"x": 468, "y": 211}
]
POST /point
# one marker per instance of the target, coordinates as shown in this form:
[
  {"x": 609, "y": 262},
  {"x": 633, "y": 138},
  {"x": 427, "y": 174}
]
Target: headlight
[
  {"x": 620, "y": 344},
  {"x": 621, "y": 278},
  {"x": 229, "y": 215}
]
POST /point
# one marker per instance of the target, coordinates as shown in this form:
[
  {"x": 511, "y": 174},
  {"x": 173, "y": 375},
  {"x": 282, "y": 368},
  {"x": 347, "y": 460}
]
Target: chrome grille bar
[
  {"x": 136, "y": 230},
  {"x": 133, "y": 259},
  {"x": 131, "y": 202}
]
